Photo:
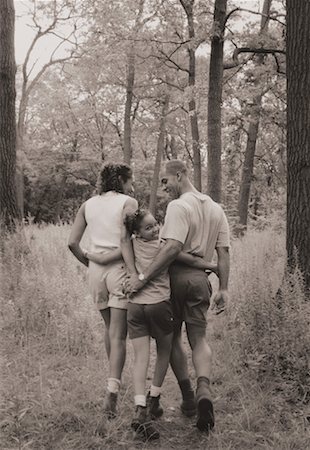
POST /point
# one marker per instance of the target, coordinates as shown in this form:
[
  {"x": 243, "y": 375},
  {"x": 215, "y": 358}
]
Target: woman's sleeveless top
[{"x": 103, "y": 215}]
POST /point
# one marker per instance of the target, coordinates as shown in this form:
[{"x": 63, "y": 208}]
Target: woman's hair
[
  {"x": 133, "y": 221},
  {"x": 110, "y": 175}
]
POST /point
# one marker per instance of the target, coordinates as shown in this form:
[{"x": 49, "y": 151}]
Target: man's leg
[
  {"x": 202, "y": 361},
  {"x": 178, "y": 361},
  {"x": 117, "y": 338}
]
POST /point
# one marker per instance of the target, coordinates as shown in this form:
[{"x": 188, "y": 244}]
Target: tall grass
[{"x": 54, "y": 366}]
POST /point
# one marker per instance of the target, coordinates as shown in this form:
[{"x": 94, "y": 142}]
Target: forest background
[
  {"x": 145, "y": 81},
  {"x": 124, "y": 81}
]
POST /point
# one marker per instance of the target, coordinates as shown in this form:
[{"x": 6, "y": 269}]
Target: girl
[{"x": 149, "y": 315}]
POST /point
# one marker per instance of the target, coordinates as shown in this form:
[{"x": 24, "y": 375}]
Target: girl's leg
[
  {"x": 163, "y": 345},
  {"x": 141, "y": 347},
  {"x": 105, "y": 314}
]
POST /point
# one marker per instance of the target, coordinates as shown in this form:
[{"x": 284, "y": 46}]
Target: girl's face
[{"x": 149, "y": 228}]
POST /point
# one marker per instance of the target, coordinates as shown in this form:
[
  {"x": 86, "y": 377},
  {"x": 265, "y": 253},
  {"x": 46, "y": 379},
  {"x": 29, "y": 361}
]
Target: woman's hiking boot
[
  {"x": 154, "y": 408},
  {"x": 109, "y": 405},
  {"x": 142, "y": 425},
  {"x": 205, "y": 420}
]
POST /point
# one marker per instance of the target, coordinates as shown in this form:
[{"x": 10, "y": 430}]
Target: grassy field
[{"x": 53, "y": 365}]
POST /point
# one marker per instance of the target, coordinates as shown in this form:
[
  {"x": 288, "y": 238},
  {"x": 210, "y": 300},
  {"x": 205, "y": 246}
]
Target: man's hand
[
  {"x": 220, "y": 301},
  {"x": 132, "y": 284}
]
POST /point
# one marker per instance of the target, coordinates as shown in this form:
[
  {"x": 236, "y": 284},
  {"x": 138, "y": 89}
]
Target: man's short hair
[{"x": 174, "y": 166}]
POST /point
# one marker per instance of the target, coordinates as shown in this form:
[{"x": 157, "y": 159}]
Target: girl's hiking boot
[
  {"x": 142, "y": 425},
  {"x": 154, "y": 408},
  {"x": 109, "y": 406},
  {"x": 205, "y": 420}
]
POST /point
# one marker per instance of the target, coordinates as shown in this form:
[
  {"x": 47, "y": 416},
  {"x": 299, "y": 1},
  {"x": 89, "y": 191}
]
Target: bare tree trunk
[
  {"x": 248, "y": 165},
  {"x": 298, "y": 136},
  {"x": 8, "y": 202},
  {"x": 215, "y": 102},
  {"x": 159, "y": 154},
  {"x": 188, "y": 6},
  {"x": 128, "y": 106}
]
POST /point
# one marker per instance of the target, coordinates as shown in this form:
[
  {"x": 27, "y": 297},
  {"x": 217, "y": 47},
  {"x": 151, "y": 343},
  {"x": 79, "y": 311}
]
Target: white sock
[
  {"x": 155, "y": 391},
  {"x": 113, "y": 385},
  {"x": 140, "y": 400}
]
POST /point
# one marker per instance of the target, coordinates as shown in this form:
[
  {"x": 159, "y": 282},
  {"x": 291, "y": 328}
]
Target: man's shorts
[
  {"x": 106, "y": 284},
  {"x": 190, "y": 294},
  {"x": 154, "y": 320}
]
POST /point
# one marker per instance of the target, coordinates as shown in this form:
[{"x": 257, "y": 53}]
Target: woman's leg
[
  {"x": 117, "y": 339},
  {"x": 105, "y": 314},
  {"x": 117, "y": 355}
]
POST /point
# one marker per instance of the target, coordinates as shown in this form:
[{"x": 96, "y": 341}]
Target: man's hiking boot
[
  {"x": 188, "y": 407},
  {"x": 154, "y": 408},
  {"x": 205, "y": 420},
  {"x": 109, "y": 406},
  {"x": 142, "y": 425}
]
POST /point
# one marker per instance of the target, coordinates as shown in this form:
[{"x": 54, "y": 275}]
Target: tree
[
  {"x": 298, "y": 136},
  {"x": 252, "y": 133},
  {"x": 8, "y": 201},
  {"x": 188, "y": 6},
  {"x": 215, "y": 102},
  {"x": 159, "y": 154},
  {"x": 53, "y": 15}
]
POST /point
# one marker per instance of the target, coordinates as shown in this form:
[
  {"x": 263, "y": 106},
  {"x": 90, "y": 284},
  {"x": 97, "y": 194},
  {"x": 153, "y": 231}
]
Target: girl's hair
[
  {"x": 133, "y": 221},
  {"x": 110, "y": 175}
]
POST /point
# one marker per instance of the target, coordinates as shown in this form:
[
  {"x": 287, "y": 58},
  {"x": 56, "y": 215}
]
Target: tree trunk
[
  {"x": 248, "y": 165},
  {"x": 188, "y": 7},
  {"x": 130, "y": 80},
  {"x": 159, "y": 154},
  {"x": 298, "y": 136},
  {"x": 215, "y": 102},
  {"x": 8, "y": 201}
]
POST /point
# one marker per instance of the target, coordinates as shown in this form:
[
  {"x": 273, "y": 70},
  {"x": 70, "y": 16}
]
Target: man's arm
[
  {"x": 196, "y": 261},
  {"x": 221, "y": 297},
  {"x": 130, "y": 207},
  {"x": 76, "y": 234},
  {"x": 162, "y": 261}
]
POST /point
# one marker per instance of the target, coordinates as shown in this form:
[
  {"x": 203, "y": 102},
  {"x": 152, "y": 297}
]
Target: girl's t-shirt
[{"x": 157, "y": 289}]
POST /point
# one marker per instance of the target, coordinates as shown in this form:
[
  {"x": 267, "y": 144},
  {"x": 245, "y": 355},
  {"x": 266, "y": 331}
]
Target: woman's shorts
[
  {"x": 190, "y": 294},
  {"x": 154, "y": 320},
  {"x": 106, "y": 284}
]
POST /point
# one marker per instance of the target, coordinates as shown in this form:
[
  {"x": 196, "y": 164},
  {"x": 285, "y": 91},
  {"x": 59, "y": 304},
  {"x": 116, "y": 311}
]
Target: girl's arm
[
  {"x": 76, "y": 234},
  {"x": 196, "y": 261},
  {"x": 102, "y": 257},
  {"x": 130, "y": 206}
]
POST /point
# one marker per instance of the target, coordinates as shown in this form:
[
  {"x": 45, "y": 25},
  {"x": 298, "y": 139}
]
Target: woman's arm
[
  {"x": 130, "y": 207},
  {"x": 76, "y": 234},
  {"x": 103, "y": 257},
  {"x": 196, "y": 261}
]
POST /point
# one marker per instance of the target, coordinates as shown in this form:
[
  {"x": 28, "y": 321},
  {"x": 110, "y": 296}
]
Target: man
[{"x": 195, "y": 224}]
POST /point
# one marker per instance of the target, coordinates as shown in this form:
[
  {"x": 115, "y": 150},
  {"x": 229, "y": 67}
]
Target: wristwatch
[{"x": 141, "y": 276}]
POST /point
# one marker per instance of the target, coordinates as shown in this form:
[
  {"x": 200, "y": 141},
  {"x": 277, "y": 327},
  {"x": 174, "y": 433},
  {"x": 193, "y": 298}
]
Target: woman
[{"x": 104, "y": 215}]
